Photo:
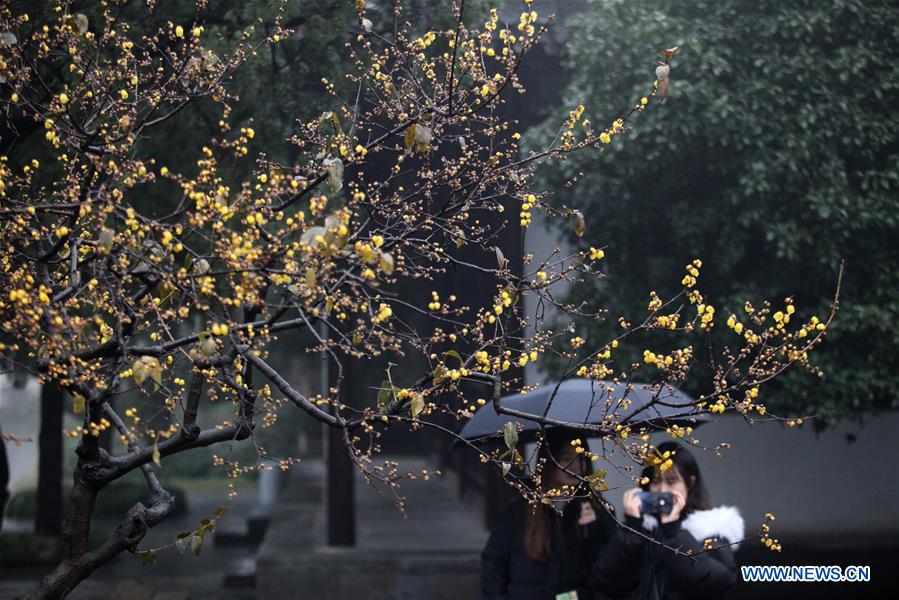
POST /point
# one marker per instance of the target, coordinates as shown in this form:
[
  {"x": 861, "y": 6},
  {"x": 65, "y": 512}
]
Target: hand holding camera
[{"x": 667, "y": 506}]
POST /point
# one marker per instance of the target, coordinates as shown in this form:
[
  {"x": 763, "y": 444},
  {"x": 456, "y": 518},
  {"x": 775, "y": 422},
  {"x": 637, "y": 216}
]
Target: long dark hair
[
  {"x": 538, "y": 525},
  {"x": 686, "y": 466}
]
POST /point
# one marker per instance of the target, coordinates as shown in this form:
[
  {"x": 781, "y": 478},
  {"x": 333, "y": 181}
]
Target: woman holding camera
[
  {"x": 632, "y": 565},
  {"x": 546, "y": 552}
]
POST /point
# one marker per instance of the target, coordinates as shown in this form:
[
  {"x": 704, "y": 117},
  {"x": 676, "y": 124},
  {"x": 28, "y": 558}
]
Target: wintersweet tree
[{"x": 105, "y": 293}]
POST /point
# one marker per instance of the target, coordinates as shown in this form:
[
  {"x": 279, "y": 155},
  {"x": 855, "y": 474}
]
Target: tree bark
[
  {"x": 79, "y": 562},
  {"x": 48, "y": 520}
]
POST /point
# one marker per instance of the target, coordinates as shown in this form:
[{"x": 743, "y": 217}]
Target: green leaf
[
  {"x": 147, "y": 366},
  {"x": 579, "y": 223},
  {"x": 156, "y": 455},
  {"x": 78, "y": 404},
  {"x": 196, "y": 543},
  {"x": 387, "y": 262},
  {"x": 417, "y": 405},
  {"x": 453, "y": 353},
  {"x": 409, "y": 136},
  {"x": 597, "y": 480},
  {"x": 384, "y": 393},
  {"x": 208, "y": 347},
  {"x": 106, "y": 239},
  {"x": 419, "y": 137},
  {"x": 200, "y": 267},
  {"x": 501, "y": 260},
  {"x": 329, "y": 121},
  {"x": 147, "y": 558},
  {"x": 335, "y": 175},
  {"x": 423, "y": 138},
  {"x": 510, "y": 434},
  {"x": 517, "y": 458},
  {"x": 506, "y": 468},
  {"x": 221, "y": 510},
  {"x": 439, "y": 374},
  {"x": 310, "y": 234}
]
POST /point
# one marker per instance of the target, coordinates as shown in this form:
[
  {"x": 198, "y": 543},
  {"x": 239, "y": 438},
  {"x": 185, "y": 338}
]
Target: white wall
[{"x": 20, "y": 414}]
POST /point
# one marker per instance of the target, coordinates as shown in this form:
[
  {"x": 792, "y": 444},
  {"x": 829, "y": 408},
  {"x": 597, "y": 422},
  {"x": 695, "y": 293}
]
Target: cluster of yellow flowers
[
  {"x": 706, "y": 314},
  {"x": 503, "y": 301},
  {"x": 574, "y": 116},
  {"x": 93, "y": 428},
  {"x": 384, "y": 313},
  {"x": 749, "y": 402},
  {"x": 526, "y": 22},
  {"x": 425, "y": 40},
  {"x": 490, "y": 24},
  {"x": 617, "y": 127},
  {"x": 581, "y": 448},
  {"x": 719, "y": 406},
  {"x": 483, "y": 360},
  {"x": 662, "y": 461},
  {"x": 732, "y": 323},
  {"x": 689, "y": 279},
  {"x": 597, "y": 370},
  {"x": 781, "y": 319},
  {"x": 814, "y": 325},
  {"x": 526, "y": 205},
  {"x": 667, "y": 321},
  {"x": 435, "y": 303},
  {"x": 679, "y": 358},
  {"x": 766, "y": 538},
  {"x": 677, "y": 431}
]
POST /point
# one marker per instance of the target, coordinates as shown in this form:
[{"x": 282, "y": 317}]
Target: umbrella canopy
[{"x": 585, "y": 401}]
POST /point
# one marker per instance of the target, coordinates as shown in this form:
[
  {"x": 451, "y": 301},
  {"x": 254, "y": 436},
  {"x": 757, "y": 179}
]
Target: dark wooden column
[
  {"x": 341, "y": 493},
  {"x": 50, "y": 512}
]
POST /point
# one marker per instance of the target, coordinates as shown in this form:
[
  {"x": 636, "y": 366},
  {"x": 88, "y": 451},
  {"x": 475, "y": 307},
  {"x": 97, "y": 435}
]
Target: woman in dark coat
[
  {"x": 632, "y": 566},
  {"x": 535, "y": 553}
]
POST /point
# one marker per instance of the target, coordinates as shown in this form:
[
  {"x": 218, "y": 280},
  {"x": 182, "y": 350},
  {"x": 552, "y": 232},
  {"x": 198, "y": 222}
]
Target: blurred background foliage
[{"x": 775, "y": 157}]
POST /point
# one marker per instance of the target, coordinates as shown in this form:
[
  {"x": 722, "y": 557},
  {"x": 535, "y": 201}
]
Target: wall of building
[{"x": 838, "y": 486}]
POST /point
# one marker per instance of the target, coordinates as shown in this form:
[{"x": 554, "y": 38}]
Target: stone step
[
  {"x": 243, "y": 532},
  {"x": 241, "y": 573}
]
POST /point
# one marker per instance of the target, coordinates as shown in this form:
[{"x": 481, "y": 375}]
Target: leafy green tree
[{"x": 775, "y": 157}]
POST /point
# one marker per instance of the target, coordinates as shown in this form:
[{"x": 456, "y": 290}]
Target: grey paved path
[{"x": 431, "y": 551}]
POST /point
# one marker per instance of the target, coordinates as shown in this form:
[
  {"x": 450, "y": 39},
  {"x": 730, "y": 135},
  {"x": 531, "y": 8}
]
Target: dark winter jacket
[
  {"x": 508, "y": 573},
  {"x": 630, "y": 566}
]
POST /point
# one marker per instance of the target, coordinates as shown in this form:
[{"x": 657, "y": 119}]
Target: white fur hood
[{"x": 722, "y": 522}]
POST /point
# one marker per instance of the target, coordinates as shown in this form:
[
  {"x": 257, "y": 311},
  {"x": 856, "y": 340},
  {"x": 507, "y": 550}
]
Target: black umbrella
[{"x": 584, "y": 401}]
